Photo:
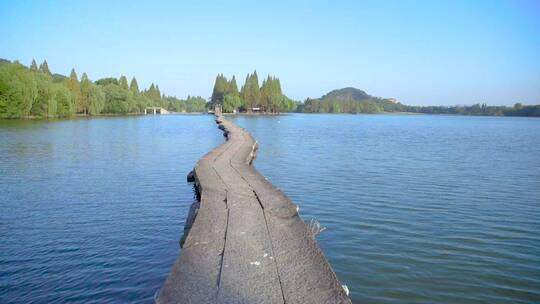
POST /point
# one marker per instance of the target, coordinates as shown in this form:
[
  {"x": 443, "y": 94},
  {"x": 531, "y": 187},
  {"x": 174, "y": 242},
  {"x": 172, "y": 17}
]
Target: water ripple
[
  {"x": 419, "y": 209},
  {"x": 92, "y": 210}
]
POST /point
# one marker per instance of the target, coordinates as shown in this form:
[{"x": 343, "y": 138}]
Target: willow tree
[
  {"x": 64, "y": 100},
  {"x": 75, "y": 89},
  {"x": 231, "y": 102},
  {"x": 86, "y": 89},
  {"x": 96, "y": 100}
]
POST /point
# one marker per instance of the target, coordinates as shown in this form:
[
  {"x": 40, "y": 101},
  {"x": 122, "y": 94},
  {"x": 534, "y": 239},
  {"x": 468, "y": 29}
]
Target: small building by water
[{"x": 155, "y": 110}]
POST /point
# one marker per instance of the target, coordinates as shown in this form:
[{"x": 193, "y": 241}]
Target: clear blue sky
[{"x": 420, "y": 52}]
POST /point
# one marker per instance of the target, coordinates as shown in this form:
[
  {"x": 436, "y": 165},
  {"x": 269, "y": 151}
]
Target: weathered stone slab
[
  {"x": 230, "y": 177},
  {"x": 194, "y": 276},
  {"x": 306, "y": 276},
  {"x": 211, "y": 221},
  {"x": 247, "y": 243},
  {"x": 249, "y": 272}
]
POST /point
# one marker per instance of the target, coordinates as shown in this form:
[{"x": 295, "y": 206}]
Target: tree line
[
  {"x": 35, "y": 91},
  {"x": 478, "y": 109},
  {"x": 352, "y": 100},
  {"x": 379, "y": 105},
  {"x": 371, "y": 105},
  {"x": 266, "y": 98}
]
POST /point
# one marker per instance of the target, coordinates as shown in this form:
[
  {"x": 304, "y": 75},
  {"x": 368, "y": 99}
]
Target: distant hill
[
  {"x": 350, "y": 100},
  {"x": 353, "y": 100},
  {"x": 347, "y": 94}
]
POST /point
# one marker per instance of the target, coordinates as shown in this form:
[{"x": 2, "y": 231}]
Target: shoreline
[{"x": 83, "y": 116}]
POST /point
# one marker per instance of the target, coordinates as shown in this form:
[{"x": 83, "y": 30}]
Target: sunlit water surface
[
  {"x": 418, "y": 209},
  {"x": 92, "y": 210}
]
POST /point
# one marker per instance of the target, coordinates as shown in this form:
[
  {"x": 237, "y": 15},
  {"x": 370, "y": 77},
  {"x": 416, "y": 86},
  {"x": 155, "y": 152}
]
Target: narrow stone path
[{"x": 247, "y": 243}]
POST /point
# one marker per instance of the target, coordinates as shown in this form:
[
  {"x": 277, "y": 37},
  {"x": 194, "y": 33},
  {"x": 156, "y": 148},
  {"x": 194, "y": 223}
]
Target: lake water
[
  {"x": 418, "y": 209},
  {"x": 92, "y": 210}
]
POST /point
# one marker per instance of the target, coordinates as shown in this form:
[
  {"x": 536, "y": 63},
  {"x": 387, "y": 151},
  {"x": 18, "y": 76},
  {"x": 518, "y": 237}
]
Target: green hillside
[{"x": 350, "y": 100}]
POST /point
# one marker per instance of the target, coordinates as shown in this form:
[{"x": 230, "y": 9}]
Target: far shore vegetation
[
  {"x": 35, "y": 92},
  {"x": 352, "y": 100},
  {"x": 268, "y": 98}
]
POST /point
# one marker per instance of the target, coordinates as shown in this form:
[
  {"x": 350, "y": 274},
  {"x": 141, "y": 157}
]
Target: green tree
[
  {"x": 18, "y": 90},
  {"x": 154, "y": 95},
  {"x": 123, "y": 82},
  {"x": 52, "y": 106},
  {"x": 64, "y": 101},
  {"x": 75, "y": 89},
  {"x": 106, "y": 81},
  {"x": 195, "y": 104},
  {"x": 271, "y": 96},
  {"x": 251, "y": 91},
  {"x": 115, "y": 99},
  {"x": 96, "y": 100},
  {"x": 132, "y": 106},
  {"x": 221, "y": 87},
  {"x": 134, "y": 86},
  {"x": 158, "y": 93},
  {"x": 42, "y": 98},
  {"x": 44, "y": 67},
  {"x": 335, "y": 107},
  {"x": 86, "y": 89},
  {"x": 33, "y": 66},
  {"x": 233, "y": 87},
  {"x": 231, "y": 102}
]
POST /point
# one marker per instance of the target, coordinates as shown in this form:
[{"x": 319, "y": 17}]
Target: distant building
[
  {"x": 253, "y": 110},
  {"x": 393, "y": 100},
  {"x": 155, "y": 110}
]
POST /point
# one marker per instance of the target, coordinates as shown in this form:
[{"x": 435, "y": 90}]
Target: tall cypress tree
[
  {"x": 246, "y": 91},
  {"x": 123, "y": 82},
  {"x": 154, "y": 94},
  {"x": 221, "y": 86},
  {"x": 150, "y": 92},
  {"x": 271, "y": 94},
  {"x": 278, "y": 86},
  {"x": 86, "y": 87},
  {"x": 44, "y": 67},
  {"x": 158, "y": 93},
  {"x": 256, "y": 89},
  {"x": 265, "y": 93},
  {"x": 134, "y": 86},
  {"x": 74, "y": 86},
  {"x": 33, "y": 66},
  {"x": 233, "y": 87},
  {"x": 252, "y": 93}
]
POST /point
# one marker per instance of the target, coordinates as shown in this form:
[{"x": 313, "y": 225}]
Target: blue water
[
  {"x": 418, "y": 209},
  {"x": 92, "y": 210}
]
